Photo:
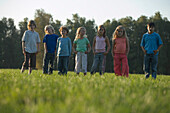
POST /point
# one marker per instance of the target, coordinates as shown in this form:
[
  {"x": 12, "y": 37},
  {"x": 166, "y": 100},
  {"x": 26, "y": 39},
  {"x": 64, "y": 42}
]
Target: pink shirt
[
  {"x": 120, "y": 45},
  {"x": 100, "y": 45}
]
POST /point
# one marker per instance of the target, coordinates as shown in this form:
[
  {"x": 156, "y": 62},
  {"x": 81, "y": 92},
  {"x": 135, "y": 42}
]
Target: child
[
  {"x": 99, "y": 50},
  {"x": 151, "y": 44},
  {"x": 81, "y": 43},
  {"x": 30, "y": 47},
  {"x": 63, "y": 50},
  {"x": 49, "y": 41},
  {"x": 120, "y": 50}
]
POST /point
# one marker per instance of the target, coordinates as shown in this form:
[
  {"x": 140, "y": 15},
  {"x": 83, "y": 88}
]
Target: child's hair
[
  {"x": 31, "y": 22},
  {"x": 78, "y": 32},
  {"x": 104, "y": 33},
  {"x": 151, "y": 24},
  {"x": 115, "y": 32},
  {"x": 64, "y": 28},
  {"x": 49, "y": 27}
]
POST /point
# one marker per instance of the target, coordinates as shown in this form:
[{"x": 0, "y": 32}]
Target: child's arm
[
  {"x": 70, "y": 46},
  {"x": 93, "y": 47},
  {"x": 108, "y": 46},
  {"x": 74, "y": 46},
  {"x": 155, "y": 51},
  {"x": 113, "y": 44},
  {"x": 143, "y": 49},
  {"x": 45, "y": 47},
  {"x": 23, "y": 47},
  {"x": 127, "y": 46},
  {"x": 89, "y": 48}
]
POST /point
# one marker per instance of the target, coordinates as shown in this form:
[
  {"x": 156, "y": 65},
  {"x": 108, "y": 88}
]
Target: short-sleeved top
[
  {"x": 31, "y": 38},
  {"x": 120, "y": 45},
  {"x": 151, "y": 42},
  {"x": 64, "y": 46},
  {"x": 81, "y": 44},
  {"x": 51, "y": 41}
]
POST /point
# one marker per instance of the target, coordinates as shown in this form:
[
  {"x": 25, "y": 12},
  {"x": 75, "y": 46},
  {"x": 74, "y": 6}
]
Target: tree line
[{"x": 10, "y": 39}]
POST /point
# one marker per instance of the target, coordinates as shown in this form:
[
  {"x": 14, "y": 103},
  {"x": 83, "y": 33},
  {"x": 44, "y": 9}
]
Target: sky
[{"x": 99, "y": 10}]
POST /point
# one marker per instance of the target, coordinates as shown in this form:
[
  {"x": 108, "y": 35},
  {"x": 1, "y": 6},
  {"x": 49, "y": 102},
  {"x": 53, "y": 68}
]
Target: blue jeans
[
  {"x": 48, "y": 59},
  {"x": 98, "y": 59},
  {"x": 63, "y": 64},
  {"x": 150, "y": 60}
]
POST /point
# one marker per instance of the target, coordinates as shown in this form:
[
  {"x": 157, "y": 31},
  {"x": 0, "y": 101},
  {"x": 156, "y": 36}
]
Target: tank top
[
  {"x": 100, "y": 45},
  {"x": 120, "y": 45}
]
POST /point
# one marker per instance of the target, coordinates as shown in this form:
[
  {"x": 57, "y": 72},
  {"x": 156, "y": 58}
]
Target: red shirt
[{"x": 120, "y": 45}]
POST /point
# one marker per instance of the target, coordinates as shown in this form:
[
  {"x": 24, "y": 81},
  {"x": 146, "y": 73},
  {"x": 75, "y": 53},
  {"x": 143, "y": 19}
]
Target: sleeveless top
[
  {"x": 120, "y": 45},
  {"x": 100, "y": 45}
]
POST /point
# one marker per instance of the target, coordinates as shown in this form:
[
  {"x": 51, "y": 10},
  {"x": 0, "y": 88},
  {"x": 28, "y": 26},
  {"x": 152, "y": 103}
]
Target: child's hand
[
  {"x": 145, "y": 52},
  {"x": 24, "y": 52},
  {"x": 155, "y": 51},
  {"x": 105, "y": 53},
  {"x": 75, "y": 52},
  {"x": 86, "y": 52}
]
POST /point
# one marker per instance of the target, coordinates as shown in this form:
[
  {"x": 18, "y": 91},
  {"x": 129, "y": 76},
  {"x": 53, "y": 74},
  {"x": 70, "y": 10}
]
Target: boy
[
  {"x": 30, "y": 47},
  {"x": 151, "y": 44},
  {"x": 63, "y": 51},
  {"x": 50, "y": 41}
]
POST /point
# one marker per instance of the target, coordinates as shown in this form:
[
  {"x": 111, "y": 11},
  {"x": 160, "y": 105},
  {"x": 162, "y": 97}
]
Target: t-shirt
[
  {"x": 64, "y": 46},
  {"x": 151, "y": 42},
  {"x": 100, "y": 45},
  {"x": 81, "y": 44},
  {"x": 31, "y": 38},
  {"x": 51, "y": 41}
]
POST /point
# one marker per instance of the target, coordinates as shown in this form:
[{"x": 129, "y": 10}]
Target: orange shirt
[{"x": 120, "y": 45}]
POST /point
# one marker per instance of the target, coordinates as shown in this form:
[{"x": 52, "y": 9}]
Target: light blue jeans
[
  {"x": 98, "y": 59},
  {"x": 150, "y": 60}
]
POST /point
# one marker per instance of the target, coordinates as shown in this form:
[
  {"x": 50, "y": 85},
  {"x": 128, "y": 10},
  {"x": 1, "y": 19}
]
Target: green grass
[{"x": 39, "y": 93}]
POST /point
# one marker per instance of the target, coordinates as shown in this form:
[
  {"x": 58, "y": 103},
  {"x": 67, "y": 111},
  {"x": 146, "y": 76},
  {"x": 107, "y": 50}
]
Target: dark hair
[
  {"x": 151, "y": 24},
  {"x": 102, "y": 26},
  {"x": 64, "y": 28},
  {"x": 31, "y": 22}
]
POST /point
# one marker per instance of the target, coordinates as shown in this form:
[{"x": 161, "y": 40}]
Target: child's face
[
  {"x": 32, "y": 26},
  {"x": 120, "y": 32},
  {"x": 50, "y": 31},
  {"x": 100, "y": 31},
  {"x": 150, "y": 29},
  {"x": 82, "y": 32},
  {"x": 63, "y": 32}
]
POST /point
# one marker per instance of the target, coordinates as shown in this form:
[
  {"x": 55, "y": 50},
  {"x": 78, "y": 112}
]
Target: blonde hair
[
  {"x": 78, "y": 32},
  {"x": 115, "y": 32},
  {"x": 49, "y": 27}
]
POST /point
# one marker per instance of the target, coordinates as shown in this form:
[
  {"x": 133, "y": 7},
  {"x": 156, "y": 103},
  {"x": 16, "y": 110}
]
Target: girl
[
  {"x": 63, "y": 50},
  {"x": 120, "y": 50},
  {"x": 30, "y": 47},
  {"x": 99, "y": 50},
  {"x": 81, "y": 43},
  {"x": 50, "y": 41}
]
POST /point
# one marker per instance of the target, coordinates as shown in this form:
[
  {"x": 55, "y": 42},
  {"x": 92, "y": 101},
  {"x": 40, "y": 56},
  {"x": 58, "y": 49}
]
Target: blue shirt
[
  {"x": 64, "y": 46},
  {"x": 151, "y": 42},
  {"x": 51, "y": 41}
]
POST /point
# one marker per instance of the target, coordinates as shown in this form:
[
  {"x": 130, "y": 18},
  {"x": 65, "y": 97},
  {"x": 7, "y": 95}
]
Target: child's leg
[
  {"x": 65, "y": 64},
  {"x": 104, "y": 64},
  {"x": 95, "y": 63},
  {"x": 59, "y": 64},
  {"x": 125, "y": 66},
  {"x": 32, "y": 62},
  {"x": 154, "y": 64},
  {"x": 117, "y": 64},
  {"x": 45, "y": 63},
  {"x": 147, "y": 65},
  {"x": 26, "y": 61},
  {"x": 52, "y": 57},
  {"x": 101, "y": 63},
  {"x": 78, "y": 62},
  {"x": 84, "y": 62}
]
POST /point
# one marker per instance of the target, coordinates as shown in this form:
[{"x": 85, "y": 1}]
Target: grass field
[{"x": 39, "y": 93}]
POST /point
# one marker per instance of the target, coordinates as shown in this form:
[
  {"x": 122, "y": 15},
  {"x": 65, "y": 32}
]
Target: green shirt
[{"x": 81, "y": 44}]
